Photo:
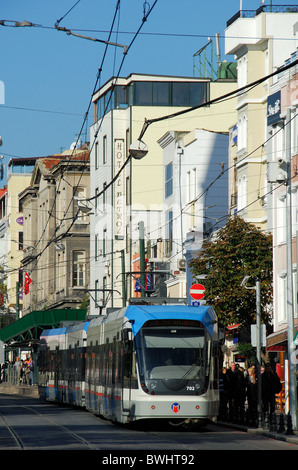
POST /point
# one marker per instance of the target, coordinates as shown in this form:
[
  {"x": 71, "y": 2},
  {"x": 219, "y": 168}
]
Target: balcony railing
[{"x": 263, "y": 9}]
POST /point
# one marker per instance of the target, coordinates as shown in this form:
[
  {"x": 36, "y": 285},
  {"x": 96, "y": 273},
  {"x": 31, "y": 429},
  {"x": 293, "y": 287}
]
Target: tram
[{"x": 139, "y": 362}]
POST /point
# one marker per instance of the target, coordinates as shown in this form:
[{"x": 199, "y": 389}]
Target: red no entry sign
[{"x": 197, "y": 291}]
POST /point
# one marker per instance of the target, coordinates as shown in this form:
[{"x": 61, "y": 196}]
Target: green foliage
[
  {"x": 239, "y": 250},
  {"x": 247, "y": 350}
]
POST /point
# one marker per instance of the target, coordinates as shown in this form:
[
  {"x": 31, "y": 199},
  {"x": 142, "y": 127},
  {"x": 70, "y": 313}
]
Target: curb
[
  {"x": 35, "y": 391},
  {"x": 283, "y": 436}
]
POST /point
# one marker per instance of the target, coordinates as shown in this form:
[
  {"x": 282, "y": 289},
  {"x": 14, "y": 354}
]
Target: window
[
  {"x": 169, "y": 231},
  {"x": 104, "y": 286},
  {"x": 120, "y": 97},
  {"x": 127, "y": 141},
  {"x": 79, "y": 263},
  {"x": 281, "y": 219},
  {"x": 153, "y": 93},
  {"x": 242, "y": 193},
  {"x": 180, "y": 94},
  {"x": 96, "y": 156},
  {"x": 127, "y": 191},
  {"x": 104, "y": 149},
  {"x": 104, "y": 196},
  {"x": 97, "y": 249},
  {"x": 281, "y": 298},
  {"x": 96, "y": 210},
  {"x": 20, "y": 240},
  {"x": 160, "y": 94},
  {"x": 79, "y": 194},
  {"x": 242, "y": 132},
  {"x": 105, "y": 241},
  {"x": 143, "y": 93},
  {"x": 168, "y": 93},
  {"x": 242, "y": 72},
  {"x": 96, "y": 288},
  {"x": 169, "y": 180}
]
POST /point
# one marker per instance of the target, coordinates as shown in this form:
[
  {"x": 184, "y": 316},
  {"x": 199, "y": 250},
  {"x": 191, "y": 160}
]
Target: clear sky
[{"x": 49, "y": 76}]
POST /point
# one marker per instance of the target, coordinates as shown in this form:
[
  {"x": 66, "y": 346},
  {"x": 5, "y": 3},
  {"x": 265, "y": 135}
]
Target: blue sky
[{"x": 49, "y": 76}]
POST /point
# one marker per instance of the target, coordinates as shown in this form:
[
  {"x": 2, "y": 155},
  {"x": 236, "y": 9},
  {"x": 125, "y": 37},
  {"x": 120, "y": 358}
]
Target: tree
[{"x": 239, "y": 249}]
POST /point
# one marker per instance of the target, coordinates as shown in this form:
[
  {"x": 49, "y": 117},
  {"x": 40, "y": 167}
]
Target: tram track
[
  {"x": 15, "y": 437},
  {"x": 79, "y": 441},
  {"x": 76, "y": 436}
]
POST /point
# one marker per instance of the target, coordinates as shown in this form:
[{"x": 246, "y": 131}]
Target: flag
[{"x": 27, "y": 283}]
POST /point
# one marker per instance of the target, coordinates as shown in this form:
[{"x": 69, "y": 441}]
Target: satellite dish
[{"x": 75, "y": 145}]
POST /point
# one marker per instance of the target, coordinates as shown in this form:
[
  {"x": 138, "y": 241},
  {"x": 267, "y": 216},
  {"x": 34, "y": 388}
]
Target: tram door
[{"x": 126, "y": 368}]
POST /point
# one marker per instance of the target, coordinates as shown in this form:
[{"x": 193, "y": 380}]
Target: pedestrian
[
  {"x": 17, "y": 366},
  {"x": 251, "y": 391},
  {"x": 269, "y": 381},
  {"x": 223, "y": 389},
  {"x": 236, "y": 393},
  {"x": 31, "y": 371},
  {"x": 27, "y": 371}
]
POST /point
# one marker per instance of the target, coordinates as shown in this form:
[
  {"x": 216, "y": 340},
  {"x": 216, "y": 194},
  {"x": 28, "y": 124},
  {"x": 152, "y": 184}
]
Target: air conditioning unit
[{"x": 181, "y": 264}]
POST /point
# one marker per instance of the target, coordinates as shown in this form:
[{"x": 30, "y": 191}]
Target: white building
[
  {"x": 260, "y": 41},
  {"x": 195, "y": 193},
  {"x": 120, "y": 202}
]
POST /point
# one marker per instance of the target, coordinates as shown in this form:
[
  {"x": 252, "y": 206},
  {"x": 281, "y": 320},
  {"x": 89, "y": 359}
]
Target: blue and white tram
[
  {"x": 152, "y": 362},
  {"x": 62, "y": 359}
]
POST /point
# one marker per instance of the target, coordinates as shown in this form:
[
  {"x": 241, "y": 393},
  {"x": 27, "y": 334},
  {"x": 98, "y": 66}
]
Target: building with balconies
[
  {"x": 56, "y": 232},
  {"x": 259, "y": 41}
]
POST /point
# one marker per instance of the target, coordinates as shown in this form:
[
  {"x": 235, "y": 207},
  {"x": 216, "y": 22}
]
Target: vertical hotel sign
[{"x": 119, "y": 190}]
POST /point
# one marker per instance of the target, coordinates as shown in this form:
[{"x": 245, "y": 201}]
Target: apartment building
[
  {"x": 56, "y": 232},
  {"x": 260, "y": 41},
  {"x": 283, "y": 217},
  {"x": 19, "y": 171},
  {"x": 263, "y": 42},
  {"x": 195, "y": 195},
  {"x": 135, "y": 198}
]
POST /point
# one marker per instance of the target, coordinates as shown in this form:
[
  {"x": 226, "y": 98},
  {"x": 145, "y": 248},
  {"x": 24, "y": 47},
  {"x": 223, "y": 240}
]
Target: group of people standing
[
  {"x": 24, "y": 369},
  {"x": 239, "y": 387}
]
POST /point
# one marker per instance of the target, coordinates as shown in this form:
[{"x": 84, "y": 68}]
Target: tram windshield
[{"x": 175, "y": 359}]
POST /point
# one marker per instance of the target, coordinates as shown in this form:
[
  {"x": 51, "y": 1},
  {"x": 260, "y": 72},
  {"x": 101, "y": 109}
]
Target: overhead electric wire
[
  {"x": 90, "y": 102},
  {"x": 148, "y": 122},
  {"x": 69, "y": 160},
  {"x": 193, "y": 108}
]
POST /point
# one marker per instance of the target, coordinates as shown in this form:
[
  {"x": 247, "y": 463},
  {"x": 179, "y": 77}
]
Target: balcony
[{"x": 263, "y": 9}]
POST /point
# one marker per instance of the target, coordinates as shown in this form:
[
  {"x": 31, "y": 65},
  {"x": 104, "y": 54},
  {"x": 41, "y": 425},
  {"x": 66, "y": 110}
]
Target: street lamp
[
  {"x": 258, "y": 340},
  {"x": 138, "y": 150}
]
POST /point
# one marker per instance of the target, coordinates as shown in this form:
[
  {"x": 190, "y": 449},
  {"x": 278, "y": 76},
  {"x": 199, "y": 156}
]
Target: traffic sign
[{"x": 197, "y": 291}]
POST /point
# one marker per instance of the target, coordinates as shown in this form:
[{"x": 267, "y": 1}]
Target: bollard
[
  {"x": 273, "y": 427},
  {"x": 281, "y": 423},
  {"x": 289, "y": 430},
  {"x": 266, "y": 424}
]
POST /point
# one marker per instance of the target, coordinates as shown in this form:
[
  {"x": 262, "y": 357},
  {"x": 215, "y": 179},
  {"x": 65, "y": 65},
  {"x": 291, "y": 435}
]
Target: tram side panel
[
  {"x": 52, "y": 343},
  {"x": 73, "y": 380},
  {"x": 94, "y": 366}
]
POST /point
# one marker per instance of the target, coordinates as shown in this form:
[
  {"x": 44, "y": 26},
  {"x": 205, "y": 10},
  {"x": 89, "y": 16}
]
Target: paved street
[{"x": 28, "y": 423}]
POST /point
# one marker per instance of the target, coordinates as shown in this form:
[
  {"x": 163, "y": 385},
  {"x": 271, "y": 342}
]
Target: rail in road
[{"x": 28, "y": 423}]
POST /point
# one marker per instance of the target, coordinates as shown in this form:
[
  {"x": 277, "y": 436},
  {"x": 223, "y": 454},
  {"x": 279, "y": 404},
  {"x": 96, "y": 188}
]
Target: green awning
[{"x": 29, "y": 327}]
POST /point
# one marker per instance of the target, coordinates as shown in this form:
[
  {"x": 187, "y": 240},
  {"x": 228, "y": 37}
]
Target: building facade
[
  {"x": 136, "y": 197},
  {"x": 56, "y": 232},
  {"x": 257, "y": 41},
  {"x": 19, "y": 171},
  {"x": 195, "y": 195},
  {"x": 283, "y": 201}
]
